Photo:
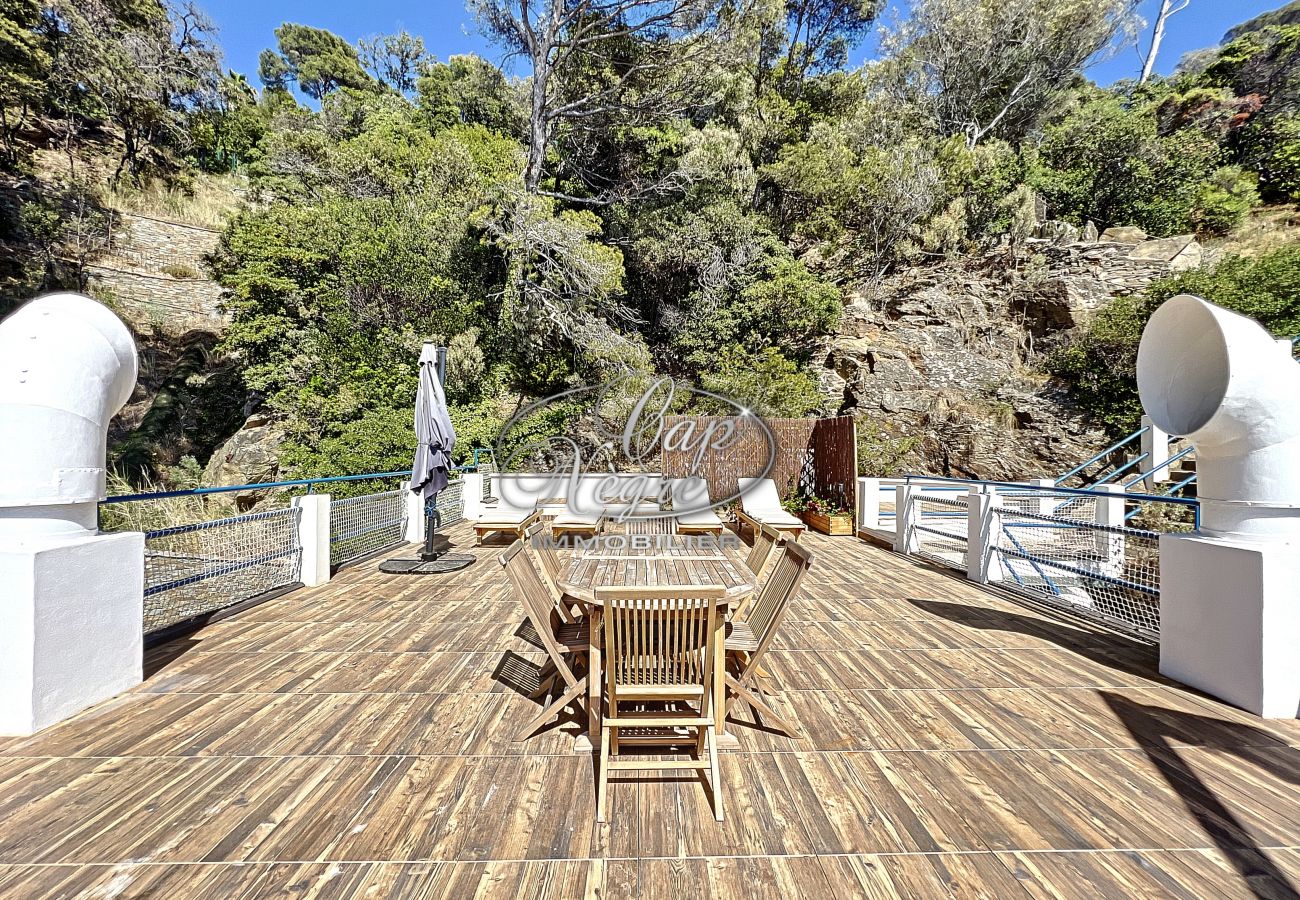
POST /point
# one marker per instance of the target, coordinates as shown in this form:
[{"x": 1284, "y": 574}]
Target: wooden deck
[{"x": 355, "y": 740}]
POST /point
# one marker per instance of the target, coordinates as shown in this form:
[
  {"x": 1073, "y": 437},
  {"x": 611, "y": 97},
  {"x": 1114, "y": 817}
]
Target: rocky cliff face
[{"x": 942, "y": 364}]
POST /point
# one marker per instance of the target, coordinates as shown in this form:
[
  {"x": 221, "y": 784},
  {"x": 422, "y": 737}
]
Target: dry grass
[
  {"x": 1269, "y": 228},
  {"x": 205, "y": 200},
  {"x": 151, "y": 515}
]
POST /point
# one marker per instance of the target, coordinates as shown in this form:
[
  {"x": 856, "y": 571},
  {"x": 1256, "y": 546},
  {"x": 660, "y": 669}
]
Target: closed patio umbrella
[
  {"x": 435, "y": 439},
  {"x": 434, "y": 434}
]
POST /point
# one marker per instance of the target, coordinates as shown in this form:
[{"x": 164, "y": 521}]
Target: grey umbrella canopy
[{"x": 435, "y": 437}]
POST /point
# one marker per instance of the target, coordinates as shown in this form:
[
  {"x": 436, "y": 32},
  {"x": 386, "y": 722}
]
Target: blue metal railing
[
  {"x": 1097, "y": 457},
  {"x": 1170, "y": 461},
  {"x": 1191, "y": 502},
  {"x": 309, "y": 483},
  {"x": 1122, "y": 469},
  {"x": 1190, "y": 479}
]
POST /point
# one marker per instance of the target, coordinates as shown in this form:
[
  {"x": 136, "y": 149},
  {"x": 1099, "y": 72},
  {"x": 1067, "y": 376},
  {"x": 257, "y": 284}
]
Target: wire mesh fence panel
[
  {"x": 360, "y": 526},
  {"x": 1074, "y": 552},
  {"x": 940, "y": 528},
  {"x": 194, "y": 570},
  {"x": 451, "y": 503}
]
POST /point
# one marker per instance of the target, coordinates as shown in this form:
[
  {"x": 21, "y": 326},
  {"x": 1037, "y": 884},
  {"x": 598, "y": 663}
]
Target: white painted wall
[
  {"x": 71, "y": 599},
  {"x": 1229, "y": 605}
]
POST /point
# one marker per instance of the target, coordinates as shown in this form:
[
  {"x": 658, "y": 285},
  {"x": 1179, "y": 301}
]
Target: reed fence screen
[{"x": 815, "y": 456}]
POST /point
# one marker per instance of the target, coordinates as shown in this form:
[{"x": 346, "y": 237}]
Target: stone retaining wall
[{"x": 155, "y": 274}]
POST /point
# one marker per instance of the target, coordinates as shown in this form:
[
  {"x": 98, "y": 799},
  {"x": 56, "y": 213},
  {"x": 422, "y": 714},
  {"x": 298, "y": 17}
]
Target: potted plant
[{"x": 826, "y": 516}]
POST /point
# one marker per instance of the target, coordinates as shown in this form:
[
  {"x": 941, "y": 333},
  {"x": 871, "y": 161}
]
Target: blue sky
[{"x": 247, "y": 28}]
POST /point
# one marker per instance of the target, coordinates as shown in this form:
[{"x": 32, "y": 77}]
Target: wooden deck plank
[{"x": 357, "y": 739}]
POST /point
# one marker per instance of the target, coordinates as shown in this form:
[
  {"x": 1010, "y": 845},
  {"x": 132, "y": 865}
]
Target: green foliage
[
  {"x": 725, "y": 280},
  {"x": 765, "y": 382},
  {"x": 140, "y": 65},
  {"x": 1099, "y": 365},
  {"x": 1224, "y": 200},
  {"x": 394, "y": 59},
  {"x": 24, "y": 64},
  {"x": 319, "y": 61},
  {"x": 881, "y": 452},
  {"x": 1278, "y": 152},
  {"x": 1106, "y": 160},
  {"x": 330, "y": 300},
  {"x": 471, "y": 91},
  {"x": 681, "y": 195}
]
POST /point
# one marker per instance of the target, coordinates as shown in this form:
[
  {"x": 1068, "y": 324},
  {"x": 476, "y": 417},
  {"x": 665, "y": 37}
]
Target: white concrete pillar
[
  {"x": 905, "y": 537},
  {"x": 71, "y": 624},
  {"x": 472, "y": 496},
  {"x": 314, "y": 537},
  {"x": 1155, "y": 444},
  {"x": 1110, "y": 513},
  {"x": 414, "y": 517},
  {"x": 1229, "y": 619},
  {"x": 982, "y": 521},
  {"x": 868, "y": 503}
]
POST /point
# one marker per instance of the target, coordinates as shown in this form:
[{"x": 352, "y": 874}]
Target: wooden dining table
[{"x": 655, "y": 560}]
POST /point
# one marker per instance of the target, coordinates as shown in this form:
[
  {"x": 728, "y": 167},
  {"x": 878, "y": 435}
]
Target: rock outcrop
[
  {"x": 945, "y": 360},
  {"x": 250, "y": 456}
]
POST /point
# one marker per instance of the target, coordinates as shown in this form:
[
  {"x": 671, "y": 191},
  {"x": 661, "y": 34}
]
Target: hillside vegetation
[{"x": 680, "y": 188}]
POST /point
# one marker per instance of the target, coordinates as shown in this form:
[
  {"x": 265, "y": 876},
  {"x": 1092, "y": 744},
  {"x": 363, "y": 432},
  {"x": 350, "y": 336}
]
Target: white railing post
[
  {"x": 905, "y": 537},
  {"x": 1155, "y": 444},
  {"x": 1046, "y": 502},
  {"x": 414, "y": 517},
  {"x": 1110, "y": 514},
  {"x": 979, "y": 534},
  {"x": 314, "y": 537},
  {"x": 868, "y": 503}
]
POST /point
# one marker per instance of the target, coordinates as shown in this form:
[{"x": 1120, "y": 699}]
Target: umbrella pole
[{"x": 430, "y": 528}]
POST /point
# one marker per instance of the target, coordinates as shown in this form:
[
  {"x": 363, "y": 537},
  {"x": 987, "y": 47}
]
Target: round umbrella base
[{"x": 448, "y": 562}]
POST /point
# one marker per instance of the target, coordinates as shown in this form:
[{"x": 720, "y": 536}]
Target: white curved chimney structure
[
  {"x": 1224, "y": 382},
  {"x": 1229, "y": 607},
  {"x": 67, "y": 365},
  {"x": 71, "y": 598}
]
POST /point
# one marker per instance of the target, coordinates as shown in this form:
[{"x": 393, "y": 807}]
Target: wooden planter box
[{"x": 842, "y": 524}]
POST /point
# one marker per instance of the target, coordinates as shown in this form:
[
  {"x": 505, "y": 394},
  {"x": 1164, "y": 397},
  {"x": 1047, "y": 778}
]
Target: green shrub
[
  {"x": 1099, "y": 366},
  {"x": 1225, "y": 200}
]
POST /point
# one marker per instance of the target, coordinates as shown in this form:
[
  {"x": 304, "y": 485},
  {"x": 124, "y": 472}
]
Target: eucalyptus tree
[
  {"x": 981, "y": 68},
  {"x": 394, "y": 59},
  {"x": 142, "y": 66}
]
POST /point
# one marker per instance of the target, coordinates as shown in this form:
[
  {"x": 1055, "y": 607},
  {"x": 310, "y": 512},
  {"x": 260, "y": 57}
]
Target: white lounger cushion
[
  {"x": 691, "y": 496},
  {"x": 501, "y": 513},
  {"x": 759, "y": 500},
  {"x": 698, "y": 517}
]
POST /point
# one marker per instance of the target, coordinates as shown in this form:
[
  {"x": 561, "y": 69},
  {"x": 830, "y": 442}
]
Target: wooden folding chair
[
  {"x": 551, "y": 568},
  {"x": 659, "y": 650},
  {"x": 558, "y": 637},
  {"x": 765, "y": 538},
  {"x": 660, "y": 525},
  {"x": 749, "y": 639}
]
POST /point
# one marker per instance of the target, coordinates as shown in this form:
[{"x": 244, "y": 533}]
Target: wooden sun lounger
[
  {"x": 694, "y": 521},
  {"x": 764, "y": 508},
  {"x": 511, "y": 520}
]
